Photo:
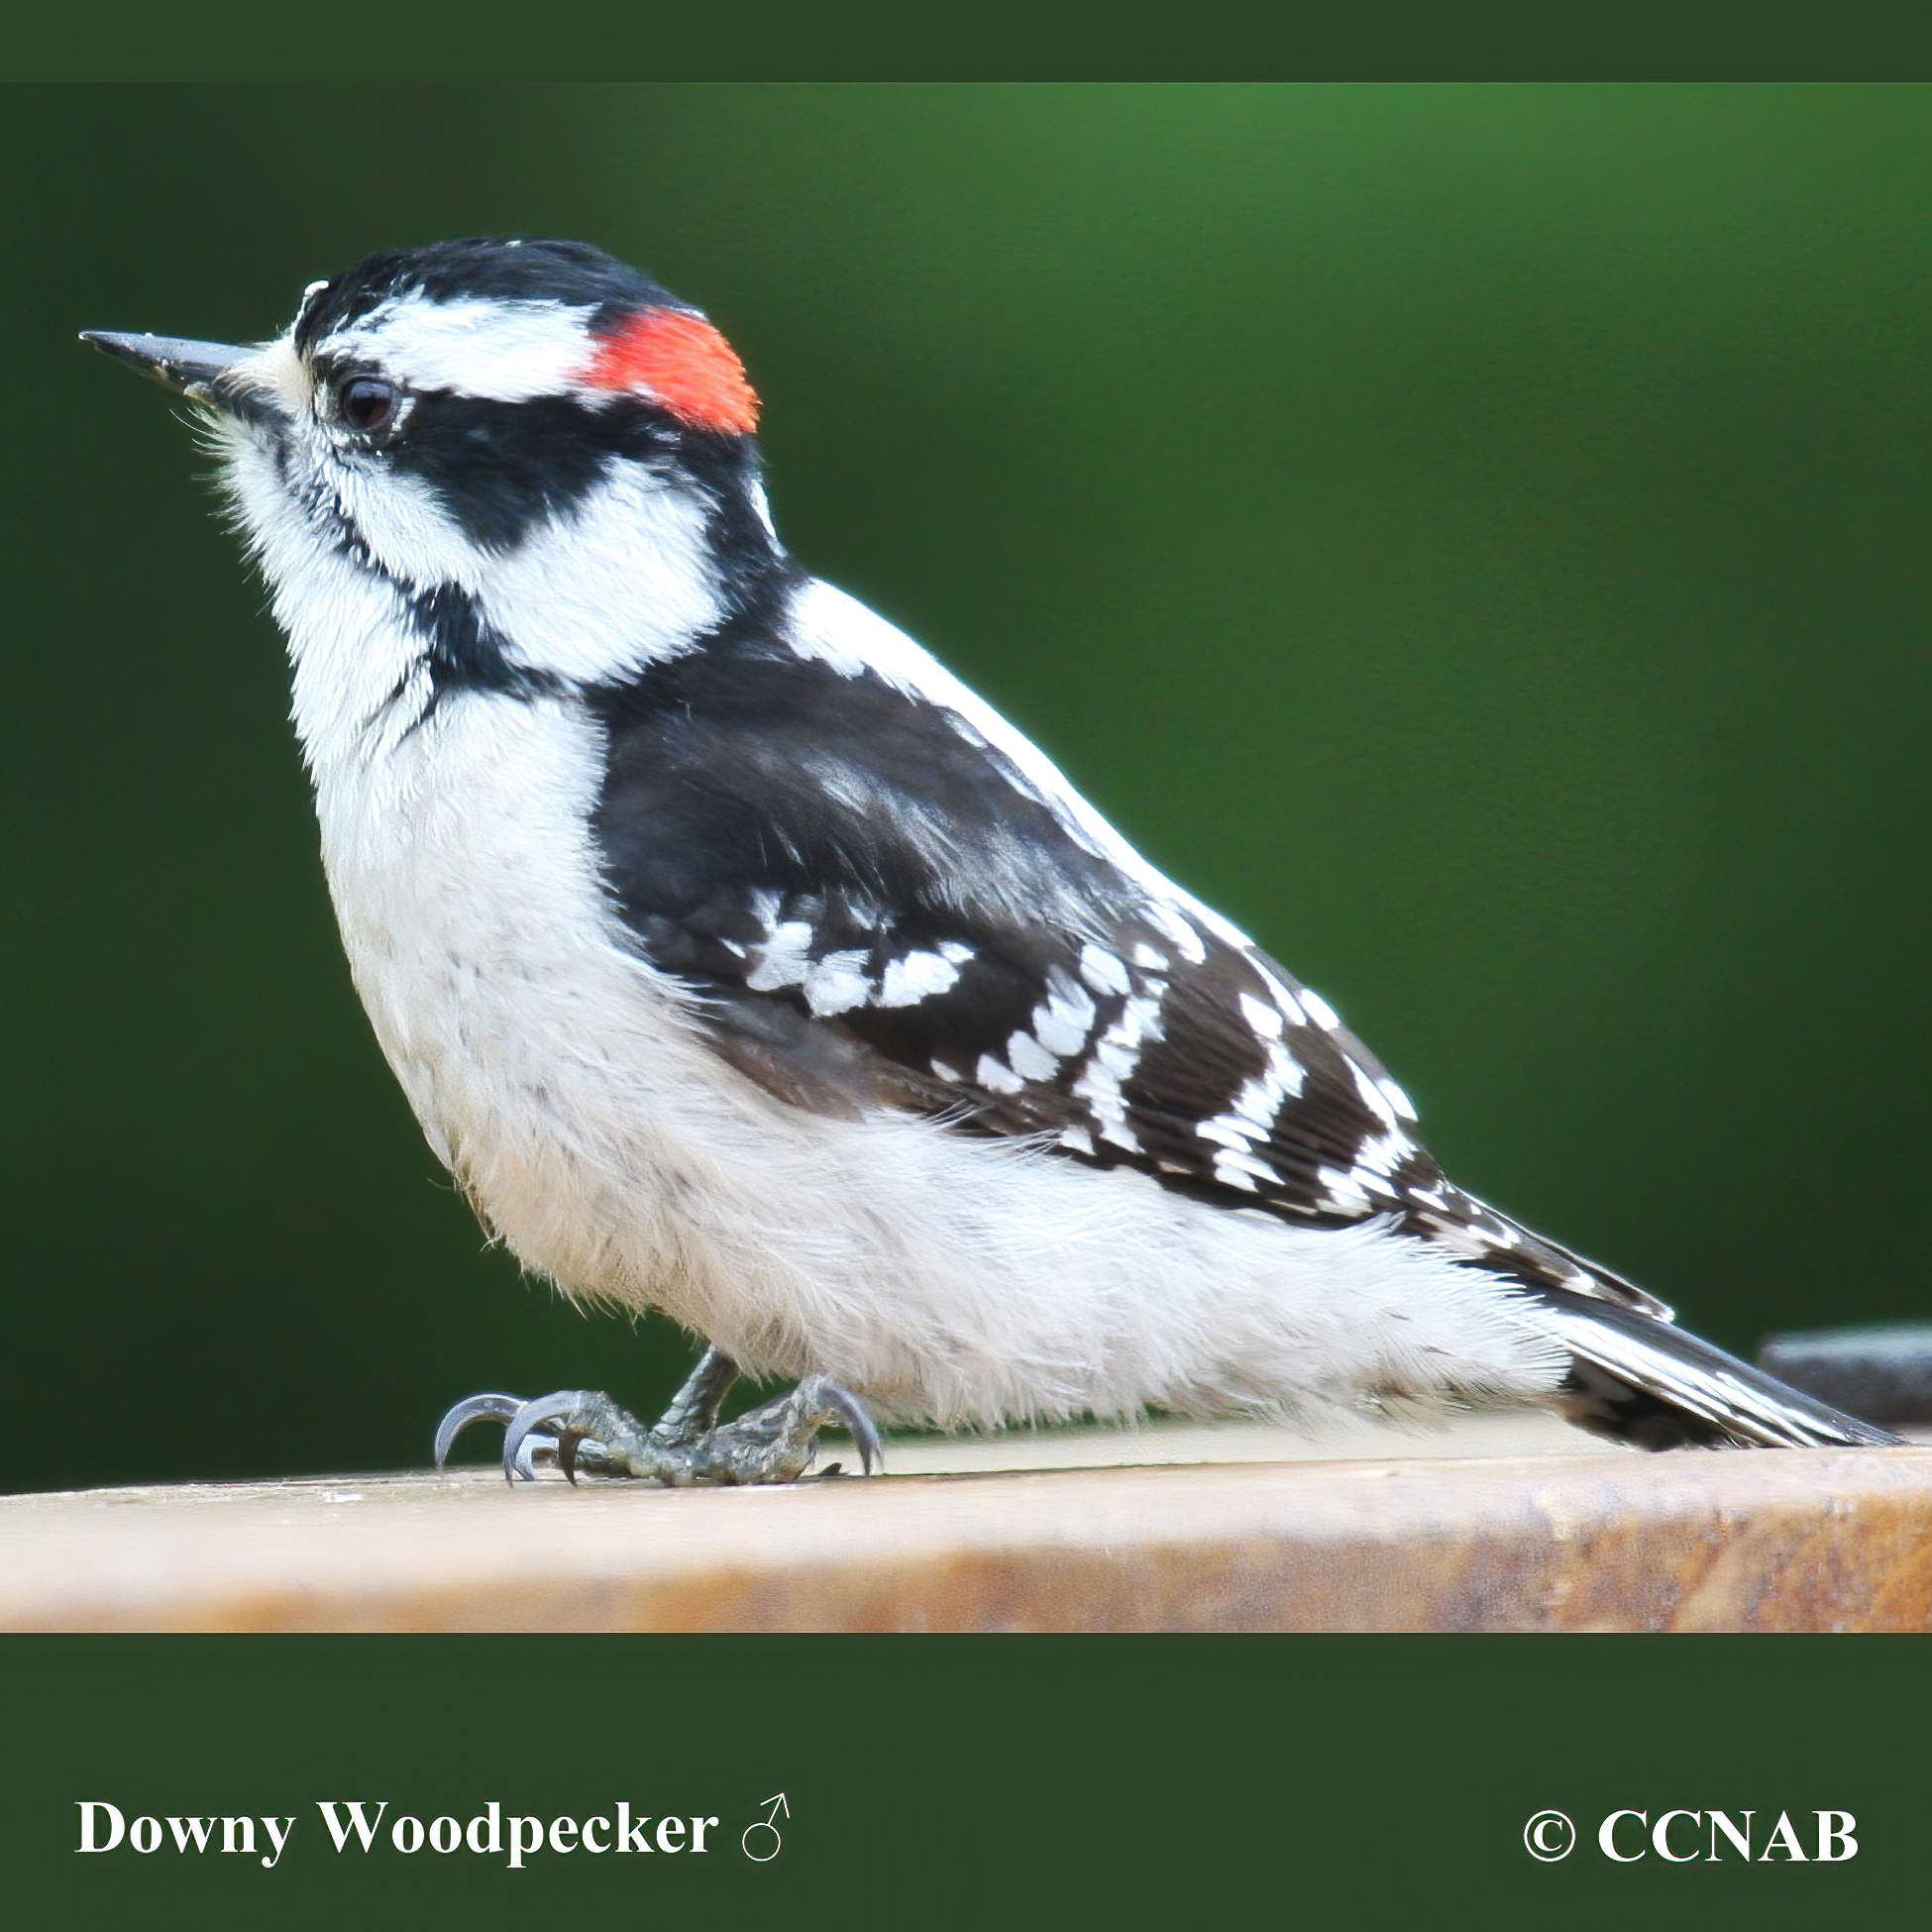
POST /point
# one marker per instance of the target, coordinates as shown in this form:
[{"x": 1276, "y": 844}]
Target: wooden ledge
[{"x": 1779, "y": 1541}]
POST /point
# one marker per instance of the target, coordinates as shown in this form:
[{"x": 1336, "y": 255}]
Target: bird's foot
[{"x": 584, "y": 1430}]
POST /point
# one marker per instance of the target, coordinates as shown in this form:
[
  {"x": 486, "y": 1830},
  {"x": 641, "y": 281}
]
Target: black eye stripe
[{"x": 504, "y": 468}]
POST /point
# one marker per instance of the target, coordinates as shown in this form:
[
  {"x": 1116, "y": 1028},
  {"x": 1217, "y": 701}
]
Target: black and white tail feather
[
  {"x": 1639, "y": 1380},
  {"x": 744, "y": 964}
]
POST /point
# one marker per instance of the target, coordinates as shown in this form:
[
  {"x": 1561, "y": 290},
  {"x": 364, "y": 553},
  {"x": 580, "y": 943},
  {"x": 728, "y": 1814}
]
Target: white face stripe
[{"x": 502, "y": 351}]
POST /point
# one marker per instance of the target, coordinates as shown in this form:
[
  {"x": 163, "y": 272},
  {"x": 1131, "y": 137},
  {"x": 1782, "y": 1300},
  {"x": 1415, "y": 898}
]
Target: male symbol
[{"x": 764, "y": 1823}]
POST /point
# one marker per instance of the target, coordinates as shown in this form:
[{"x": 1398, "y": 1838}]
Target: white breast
[{"x": 556, "y": 1074}]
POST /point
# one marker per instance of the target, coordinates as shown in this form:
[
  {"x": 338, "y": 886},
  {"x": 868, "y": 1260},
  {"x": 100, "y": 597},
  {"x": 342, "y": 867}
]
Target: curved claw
[
  {"x": 567, "y": 1442},
  {"x": 475, "y": 1408},
  {"x": 542, "y": 1414},
  {"x": 865, "y": 1432}
]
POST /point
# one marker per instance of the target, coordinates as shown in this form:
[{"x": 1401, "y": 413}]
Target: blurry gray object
[{"x": 1884, "y": 1374}]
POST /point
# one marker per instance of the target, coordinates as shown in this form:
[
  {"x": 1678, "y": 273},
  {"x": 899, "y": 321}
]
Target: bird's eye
[{"x": 366, "y": 402}]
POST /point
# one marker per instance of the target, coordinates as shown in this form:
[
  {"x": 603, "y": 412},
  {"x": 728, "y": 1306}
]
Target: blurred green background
[{"x": 1477, "y": 536}]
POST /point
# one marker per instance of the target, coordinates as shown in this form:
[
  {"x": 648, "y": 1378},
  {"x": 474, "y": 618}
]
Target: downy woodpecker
[{"x": 742, "y": 963}]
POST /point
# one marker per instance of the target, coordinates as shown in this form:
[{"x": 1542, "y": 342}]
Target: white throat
[{"x": 622, "y": 581}]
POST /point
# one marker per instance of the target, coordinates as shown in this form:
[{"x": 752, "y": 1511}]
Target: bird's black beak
[{"x": 190, "y": 367}]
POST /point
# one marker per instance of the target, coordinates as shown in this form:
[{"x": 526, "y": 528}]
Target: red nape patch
[{"x": 684, "y": 362}]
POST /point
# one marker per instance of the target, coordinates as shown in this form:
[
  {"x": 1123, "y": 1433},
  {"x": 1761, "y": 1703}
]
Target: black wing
[{"x": 872, "y": 903}]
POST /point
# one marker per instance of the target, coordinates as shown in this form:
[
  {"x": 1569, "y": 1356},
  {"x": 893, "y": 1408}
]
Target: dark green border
[
  {"x": 1064, "y": 44},
  {"x": 956, "y": 1780}
]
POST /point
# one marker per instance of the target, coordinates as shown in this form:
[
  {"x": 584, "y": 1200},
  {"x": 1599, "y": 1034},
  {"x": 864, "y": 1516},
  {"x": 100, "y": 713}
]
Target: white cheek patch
[
  {"x": 502, "y": 351},
  {"x": 634, "y": 584}
]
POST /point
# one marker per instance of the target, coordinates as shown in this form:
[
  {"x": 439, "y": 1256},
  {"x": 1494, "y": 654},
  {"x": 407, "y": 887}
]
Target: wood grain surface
[{"x": 1775, "y": 1541}]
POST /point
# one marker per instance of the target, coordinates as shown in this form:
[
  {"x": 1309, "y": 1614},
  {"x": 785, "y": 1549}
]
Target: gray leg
[
  {"x": 586, "y": 1431},
  {"x": 694, "y": 1409}
]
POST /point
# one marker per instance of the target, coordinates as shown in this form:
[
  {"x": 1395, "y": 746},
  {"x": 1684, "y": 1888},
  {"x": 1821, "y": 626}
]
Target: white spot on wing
[
  {"x": 783, "y": 960},
  {"x": 1062, "y": 1025},
  {"x": 1115, "y": 1055},
  {"x": 1263, "y": 1017},
  {"x": 1319, "y": 1010},
  {"x": 1404, "y": 1107},
  {"x": 996, "y": 1076},
  {"x": 1380, "y": 1155},
  {"x": 1238, "y": 1170},
  {"x": 1103, "y": 971},
  {"x": 1372, "y": 1096},
  {"x": 915, "y": 977},
  {"x": 1250, "y": 1118},
  {"x": 1181, "y": 931},
  {"x": 1343, "y": 1192},
  {"x": 1284, "y": 994},
  {"x": 1029, "y": 1059},
  {"x": 837, "y": 983}
]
